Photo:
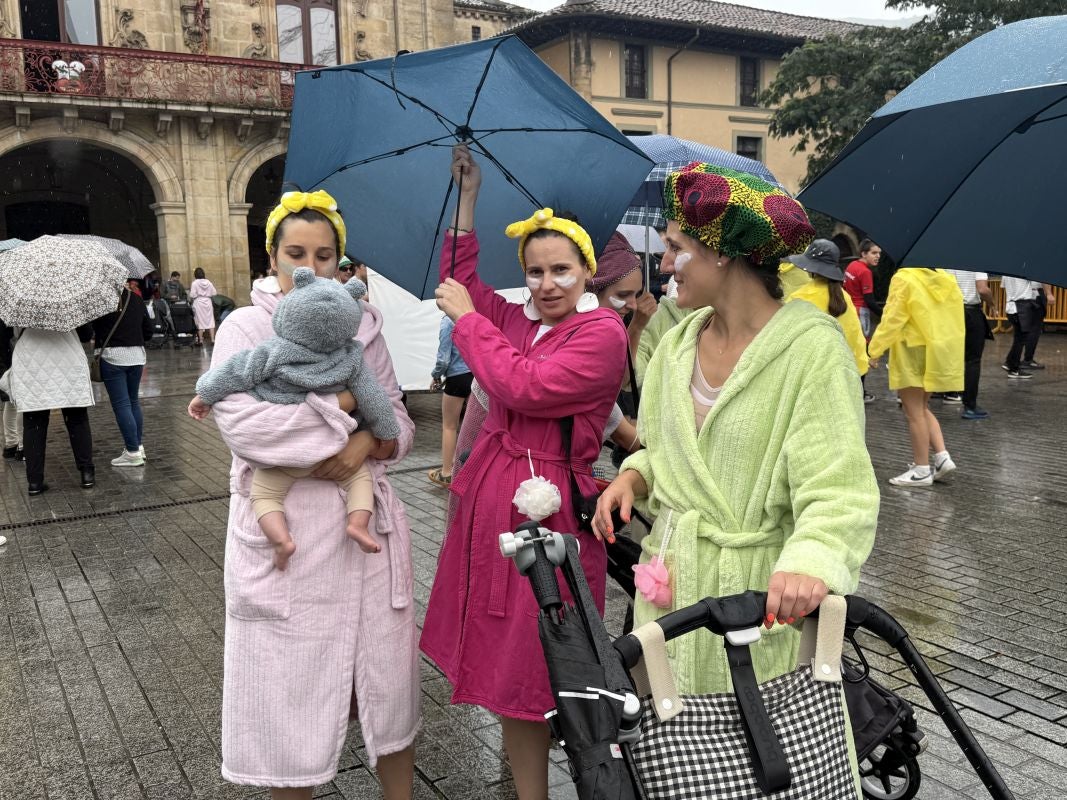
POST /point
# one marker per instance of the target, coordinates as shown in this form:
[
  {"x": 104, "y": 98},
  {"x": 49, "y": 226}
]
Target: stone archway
[
  {"x": 153, "y": 162},
  {"x": 249, "y": 163},
  {"x": 73, "y": 186},
  {"x": 240, "y": 207}
]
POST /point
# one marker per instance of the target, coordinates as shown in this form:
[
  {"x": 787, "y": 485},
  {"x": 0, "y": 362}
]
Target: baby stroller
[
  {"x": 598, "y": 725},
  {"x": 158, "y": 314},
  {"x": 181, "y": 318}
]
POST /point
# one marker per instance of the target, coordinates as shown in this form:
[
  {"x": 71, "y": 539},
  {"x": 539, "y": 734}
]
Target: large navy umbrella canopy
[
  {"x": 378, "y": 136},
  {"x": 966, "y": 167}
]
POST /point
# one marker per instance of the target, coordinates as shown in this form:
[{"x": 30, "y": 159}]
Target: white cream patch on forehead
[
  {"x": 565, "y": 281},
  {"x": 616, "y": 303},
  {"x": 681, "y": 260}
]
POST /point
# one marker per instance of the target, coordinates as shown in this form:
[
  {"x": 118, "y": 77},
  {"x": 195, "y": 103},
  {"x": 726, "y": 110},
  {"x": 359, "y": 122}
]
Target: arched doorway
[
  {"x": 263, "y": 190},
  {"x": 72, "y": 186}
]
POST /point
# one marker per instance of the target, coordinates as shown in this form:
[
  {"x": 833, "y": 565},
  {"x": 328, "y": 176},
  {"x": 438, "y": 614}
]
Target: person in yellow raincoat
[
  {"x": 923, "y": 329},
  {"x": 791, "y": 278},
  {"x": 825, "y": 291}
]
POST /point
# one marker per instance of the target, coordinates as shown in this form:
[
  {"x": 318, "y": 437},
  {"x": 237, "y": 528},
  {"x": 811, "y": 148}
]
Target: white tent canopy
[{"x": 411, "y": 329}]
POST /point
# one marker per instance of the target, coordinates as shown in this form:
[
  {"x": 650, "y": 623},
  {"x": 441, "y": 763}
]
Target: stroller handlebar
[{"x": 720, "y": 615}]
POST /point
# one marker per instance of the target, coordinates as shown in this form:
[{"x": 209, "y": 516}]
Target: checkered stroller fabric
[{"x": 702, "y": 752}]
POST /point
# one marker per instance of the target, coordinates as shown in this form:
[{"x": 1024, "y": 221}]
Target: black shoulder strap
[
  {"x": 566, "y": 429},
  {"x": 633, "y": 380}
]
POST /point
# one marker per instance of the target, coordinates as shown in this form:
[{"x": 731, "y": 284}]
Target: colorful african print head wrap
[
  {"x": 735, "y": 213},
  {"x": 293, "y": 202},
  {"x": 545, "y": 219}
]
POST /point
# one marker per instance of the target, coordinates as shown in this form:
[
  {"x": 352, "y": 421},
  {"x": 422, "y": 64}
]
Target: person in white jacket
[{"x": 48, "y": 371}]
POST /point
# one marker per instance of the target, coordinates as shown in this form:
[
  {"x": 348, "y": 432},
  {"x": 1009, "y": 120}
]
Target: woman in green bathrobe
[{"x": 755, "y": 463}]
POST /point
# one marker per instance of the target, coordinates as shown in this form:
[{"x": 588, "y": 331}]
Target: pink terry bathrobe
[
  {"x": 298, "y": 643},
  {"x": 481, "y": 622}
]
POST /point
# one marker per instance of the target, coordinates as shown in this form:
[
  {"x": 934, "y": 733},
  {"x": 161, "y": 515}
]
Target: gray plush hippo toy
[{"x": 313, "y": 350}]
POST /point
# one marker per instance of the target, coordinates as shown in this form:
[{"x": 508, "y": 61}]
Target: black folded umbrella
[{"x": 595, "y": 701}]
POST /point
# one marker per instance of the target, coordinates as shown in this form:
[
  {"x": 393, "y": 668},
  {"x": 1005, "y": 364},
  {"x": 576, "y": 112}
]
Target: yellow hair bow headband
[
  {"x": 293, "y": 202},
  {"x": 546, "y": 220}
]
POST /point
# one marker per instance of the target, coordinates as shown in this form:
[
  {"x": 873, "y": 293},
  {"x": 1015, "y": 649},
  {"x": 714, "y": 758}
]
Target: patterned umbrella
[
  {"x": 58, "y": 283},
  {"x": 126, "y": 254},
  {"x": 670, "y": 155},
  {"x": 10, "y": 244}
]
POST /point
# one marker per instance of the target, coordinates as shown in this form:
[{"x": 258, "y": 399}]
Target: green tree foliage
[{"x": 826, "y": 90}]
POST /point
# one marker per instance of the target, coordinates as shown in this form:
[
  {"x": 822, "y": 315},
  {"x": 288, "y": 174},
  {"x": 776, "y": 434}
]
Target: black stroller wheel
[{"x": 888, "y": 774}]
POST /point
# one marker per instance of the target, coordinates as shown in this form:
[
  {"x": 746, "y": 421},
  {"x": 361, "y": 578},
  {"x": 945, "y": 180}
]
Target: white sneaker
[
  {"x": 140, "y": 452},
  {"x": 944, "y": 468},
  {"x": 914, "y": 478},
  {"x": 128, "y": 459}
]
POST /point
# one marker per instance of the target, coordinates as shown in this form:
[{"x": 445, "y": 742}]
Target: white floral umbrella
[
  {"x": 134, "y": 260},
  {"x": 58, "y": 284}
]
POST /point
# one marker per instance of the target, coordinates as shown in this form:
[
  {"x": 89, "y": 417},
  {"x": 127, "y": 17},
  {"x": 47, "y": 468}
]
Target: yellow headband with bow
[
  {"x": 293, "y": 202},
  {"x": 546, "y": 220}
]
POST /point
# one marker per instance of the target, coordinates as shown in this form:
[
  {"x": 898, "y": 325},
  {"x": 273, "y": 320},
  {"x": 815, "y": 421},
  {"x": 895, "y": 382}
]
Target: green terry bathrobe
[{"x": 777, "y": 479}]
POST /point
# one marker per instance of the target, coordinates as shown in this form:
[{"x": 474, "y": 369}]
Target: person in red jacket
[{"x": 859, "y": 283}]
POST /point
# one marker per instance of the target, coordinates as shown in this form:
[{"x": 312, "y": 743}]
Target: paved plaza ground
[{"x": 111, "y": 603}]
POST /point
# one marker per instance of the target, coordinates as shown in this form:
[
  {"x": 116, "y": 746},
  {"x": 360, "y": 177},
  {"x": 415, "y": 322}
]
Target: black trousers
[
  {"x": 973, "y": 347},
  {"x": 1026, "y": 325},
  {"x": 35, "y": 435}
]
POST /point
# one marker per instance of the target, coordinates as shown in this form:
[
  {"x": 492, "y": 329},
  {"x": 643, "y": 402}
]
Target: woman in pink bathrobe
[
  {"x": 481, "y": 622},
  {"x": 338, "y": 624}
]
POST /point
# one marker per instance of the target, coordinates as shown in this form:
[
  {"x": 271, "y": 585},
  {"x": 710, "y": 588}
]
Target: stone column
[
  {"x": 582, "y": 63},
  {"x": 173, "y": 239},
  {"x": 239, "y": 252}
]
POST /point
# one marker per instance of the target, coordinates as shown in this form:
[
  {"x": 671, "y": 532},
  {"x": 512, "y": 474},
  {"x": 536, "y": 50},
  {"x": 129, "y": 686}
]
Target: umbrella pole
[
  {"x": 648, "y": 263},
  {"x": 455, "y": 226}
]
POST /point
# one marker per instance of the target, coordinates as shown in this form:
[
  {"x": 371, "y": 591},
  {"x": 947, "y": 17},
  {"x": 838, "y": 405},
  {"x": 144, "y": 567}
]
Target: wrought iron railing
[{"x": 125, "y": 74}]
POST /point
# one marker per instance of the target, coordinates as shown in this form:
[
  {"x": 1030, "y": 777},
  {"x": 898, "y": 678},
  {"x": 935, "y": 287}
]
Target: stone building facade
[
  {"x": 165, "y": 123},
  {"x": 693, "y": 70}
]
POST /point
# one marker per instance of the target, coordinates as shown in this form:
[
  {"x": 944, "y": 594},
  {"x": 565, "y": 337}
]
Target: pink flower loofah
[{"x": 654, "y": 582}]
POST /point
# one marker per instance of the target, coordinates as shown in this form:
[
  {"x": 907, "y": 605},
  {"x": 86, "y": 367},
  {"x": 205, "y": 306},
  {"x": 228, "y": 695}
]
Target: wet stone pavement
[{"x": 111, "y": 603}]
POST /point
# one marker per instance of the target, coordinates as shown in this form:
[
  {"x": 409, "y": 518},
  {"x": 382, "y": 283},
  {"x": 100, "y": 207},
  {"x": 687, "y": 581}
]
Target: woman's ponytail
[{"x": 837, "y": 305}]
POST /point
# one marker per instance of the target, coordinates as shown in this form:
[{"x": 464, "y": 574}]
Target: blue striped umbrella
[{"x": 10, "y": 244}]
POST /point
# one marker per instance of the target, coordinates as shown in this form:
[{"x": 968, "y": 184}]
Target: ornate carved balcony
[{"x": 53, "y": 68}]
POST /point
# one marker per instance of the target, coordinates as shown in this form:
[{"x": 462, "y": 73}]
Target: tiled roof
[
  {"x": 704, "y": 13},
  {"x": 496, "y": 6}
]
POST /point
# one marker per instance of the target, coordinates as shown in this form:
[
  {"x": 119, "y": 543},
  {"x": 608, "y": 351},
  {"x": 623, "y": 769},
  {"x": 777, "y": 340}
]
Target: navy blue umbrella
[
  {"x": 378, "y": 136},
  {"x": 966, "y": 167}
]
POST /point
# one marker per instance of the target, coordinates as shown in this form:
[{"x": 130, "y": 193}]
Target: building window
[
  {"x": 636, "y": 69},
  {"x": 476, "y": 32},
  {"x": 307, "y": 32},
  {"x": 748, "y": 74},
  {"x": 71, "y": 21},
  {"x": 749, "y": 147}
]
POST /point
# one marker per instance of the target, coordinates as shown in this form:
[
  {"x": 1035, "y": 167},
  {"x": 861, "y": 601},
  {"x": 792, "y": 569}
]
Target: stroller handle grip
[{"x": 720, "y": 615}]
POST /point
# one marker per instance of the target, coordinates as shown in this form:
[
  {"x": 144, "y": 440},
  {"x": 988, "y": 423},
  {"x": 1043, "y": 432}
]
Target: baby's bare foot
[{"x": 358, "y": 530}]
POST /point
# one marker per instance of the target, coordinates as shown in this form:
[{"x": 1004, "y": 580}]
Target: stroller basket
[{"x": 887, "y": 738}]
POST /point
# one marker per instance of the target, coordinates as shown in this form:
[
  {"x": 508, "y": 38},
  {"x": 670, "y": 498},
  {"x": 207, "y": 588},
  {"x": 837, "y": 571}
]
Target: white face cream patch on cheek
[
  {"x": 565, "y": 281},
  {"x": 681, "y": 260},
  {"x": 616, "y": 303},
  {"x": 285, "y": 268},
  {"x": 533, "y": 282}
]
